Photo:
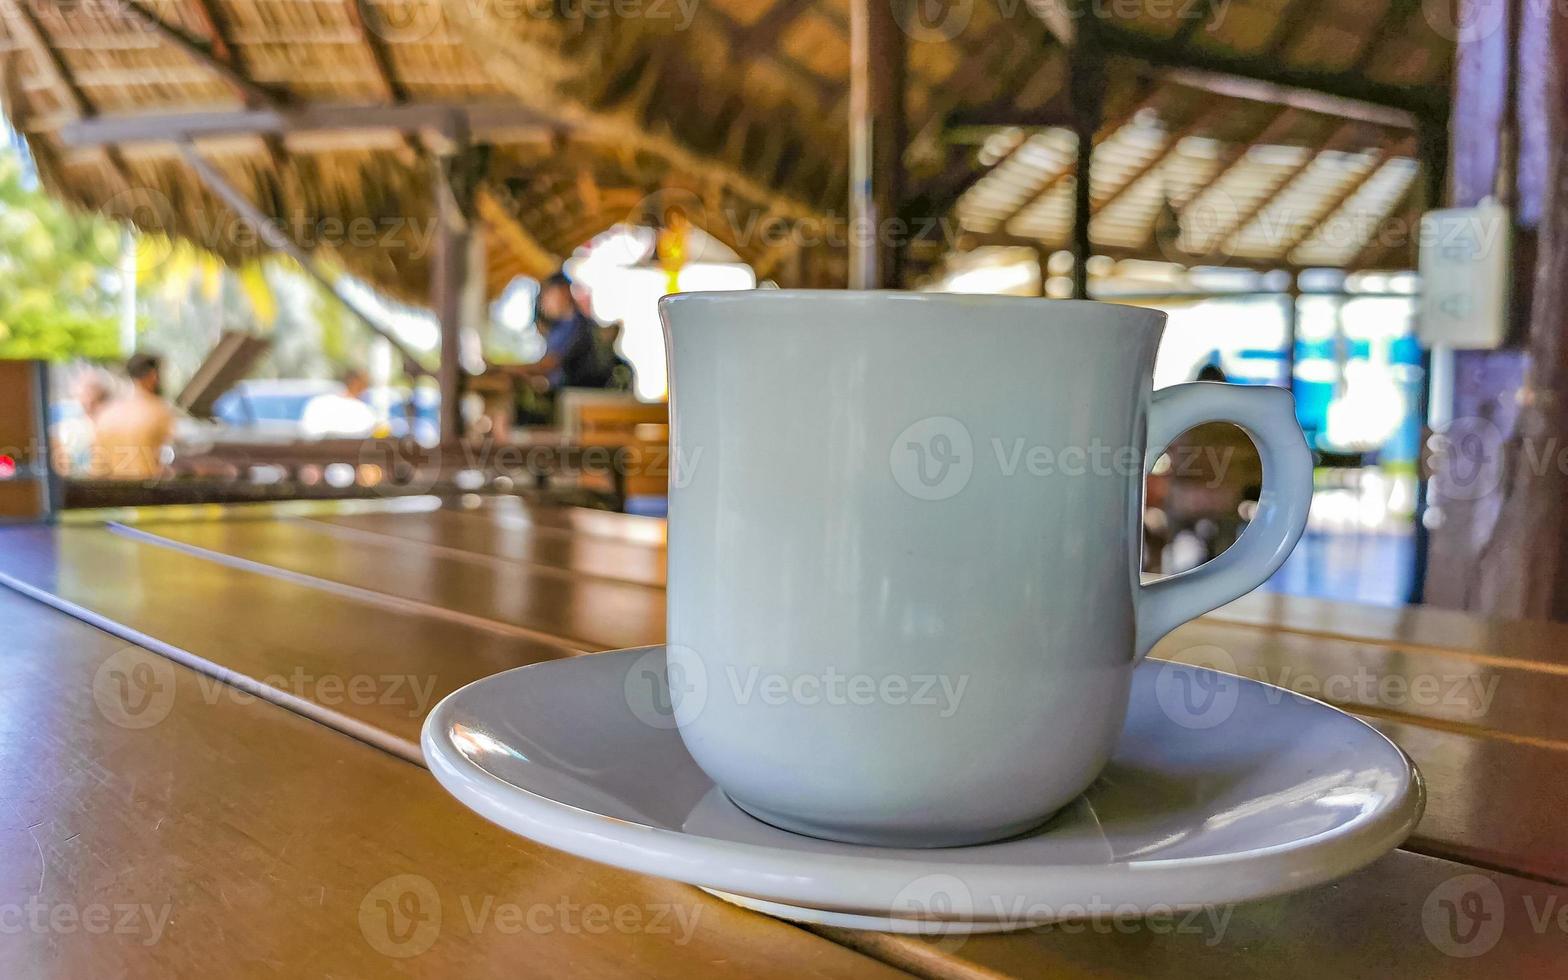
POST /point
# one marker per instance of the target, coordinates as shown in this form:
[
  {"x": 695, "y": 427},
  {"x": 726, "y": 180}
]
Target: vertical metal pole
[
  {"x": 1292, "y": 328},
  {"x": 1086, "y": 89},
  {"x": 1433, "y": 137},
  {"x": 876, "y": 143},
  {"x": 127, "y": 292}
]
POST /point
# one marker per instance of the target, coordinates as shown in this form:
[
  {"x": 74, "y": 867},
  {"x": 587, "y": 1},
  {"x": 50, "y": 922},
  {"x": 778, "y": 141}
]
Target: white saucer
[{"x": 1221, "y": 790}]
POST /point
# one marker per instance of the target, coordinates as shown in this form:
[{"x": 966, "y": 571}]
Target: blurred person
[
  {"x": 571, "y": 347},
  {"x": 72, "y": 439},
  {"x": 615, "y": 372},
  {"x": 571, "y": 356},
  {"x": 130, "y": 432},
  {"x": 1214, "y": 474},
  {"x": 341, "y": 415}
]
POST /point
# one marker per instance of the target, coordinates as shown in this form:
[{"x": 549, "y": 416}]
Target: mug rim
[{"x": 1150, "y": 317}]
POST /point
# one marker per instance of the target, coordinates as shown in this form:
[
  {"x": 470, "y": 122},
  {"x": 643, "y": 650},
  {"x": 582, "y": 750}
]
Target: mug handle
[{"x": 1268, "y": 415}]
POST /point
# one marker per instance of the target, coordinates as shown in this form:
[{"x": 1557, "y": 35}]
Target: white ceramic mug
[{"x": 904, "y": 541}]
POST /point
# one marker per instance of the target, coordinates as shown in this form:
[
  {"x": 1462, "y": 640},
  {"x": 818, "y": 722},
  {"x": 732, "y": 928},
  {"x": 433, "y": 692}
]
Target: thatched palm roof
[{"x": 732, "y": 110}]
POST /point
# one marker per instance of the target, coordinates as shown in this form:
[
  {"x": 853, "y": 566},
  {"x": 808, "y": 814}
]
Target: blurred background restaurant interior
[{"x": 292, "y": 202}]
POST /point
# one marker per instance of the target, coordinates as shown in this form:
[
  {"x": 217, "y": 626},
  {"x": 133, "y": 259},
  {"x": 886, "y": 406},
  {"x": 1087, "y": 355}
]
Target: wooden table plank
[
  {"x": 1387, "y": 921},
  {"x": 1405, "y": 627},
  {"x": 1445, "y": 689},
  {"x": 354, "y": 665},
  {"x": 1479, "y": 734},
  {"x": 157, "y": 823},
  {"x": 1489, "y": 733},
  {"x": 297, "y": 848},
  {"x": 491, "y": 535},
  {"x": 589, "y": 614},
  {"x": 1490, "y": 802},
  {"x": 512, "y": 528},
  {"x": 630, "y": 528}
]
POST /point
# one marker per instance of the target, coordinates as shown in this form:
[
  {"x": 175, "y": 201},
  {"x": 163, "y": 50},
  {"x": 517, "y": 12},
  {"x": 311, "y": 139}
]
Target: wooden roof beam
[
  {"x": 1107, "y": 130},
  {"x": 1388, "y": 25},
  {"x": 1375, "y": 249},
  {"x": 391, "y": 86},
  {"x": 1380, "y": 156},
  {"x": 1348, "y": 95},
  {"x": 827, "y": 91},
  {"x": 1337, "y": 140},
  {"x": 1172, "y": 141},
  {"x": 435, "y": 119},
  {"x": 24, "y": 24},
  {"x": 1193, "y": 24},
  {"x": 538, "y": 260},
  {"x": 224, "y": 51},
  {"x": 205, "y": 53},
  {"x": 1275, "y": 128},
  {"x": 1285, "y": 96},
  {"x": 1120, "y": 252}
]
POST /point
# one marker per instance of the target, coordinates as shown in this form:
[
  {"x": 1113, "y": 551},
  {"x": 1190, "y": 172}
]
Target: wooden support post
[
  {"x": 449, "y": 268},
  {"x": 449, "y": 274},
  {"x": 876, "y": 143},
  {"x": 1500, "y": 546},
  {"x": 1086, "y": 88}
]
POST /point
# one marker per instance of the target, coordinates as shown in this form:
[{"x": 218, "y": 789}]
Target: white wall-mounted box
[{"x": 1465, "y": 257}]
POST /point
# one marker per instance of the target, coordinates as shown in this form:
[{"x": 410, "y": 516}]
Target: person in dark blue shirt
[{"x": 570, "y": 354}]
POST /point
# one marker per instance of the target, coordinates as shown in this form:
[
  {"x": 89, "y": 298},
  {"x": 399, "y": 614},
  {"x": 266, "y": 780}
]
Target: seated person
[
  {"x": 131, "y": 431},
  {"x": 340, "y": 415}
]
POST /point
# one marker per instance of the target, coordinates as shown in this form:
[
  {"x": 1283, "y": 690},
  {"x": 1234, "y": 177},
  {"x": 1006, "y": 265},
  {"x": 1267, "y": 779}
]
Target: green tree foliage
[{"x": 57, "y": 276}]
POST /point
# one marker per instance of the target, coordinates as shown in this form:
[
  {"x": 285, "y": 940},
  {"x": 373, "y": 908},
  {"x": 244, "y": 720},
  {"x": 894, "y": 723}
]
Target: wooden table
[{"x": 282, "y": 630}]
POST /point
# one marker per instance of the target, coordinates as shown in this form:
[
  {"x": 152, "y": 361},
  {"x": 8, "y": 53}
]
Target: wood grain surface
[
  {"x": 444, "y": 595},
  {"x": 160, "y": 823}
]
